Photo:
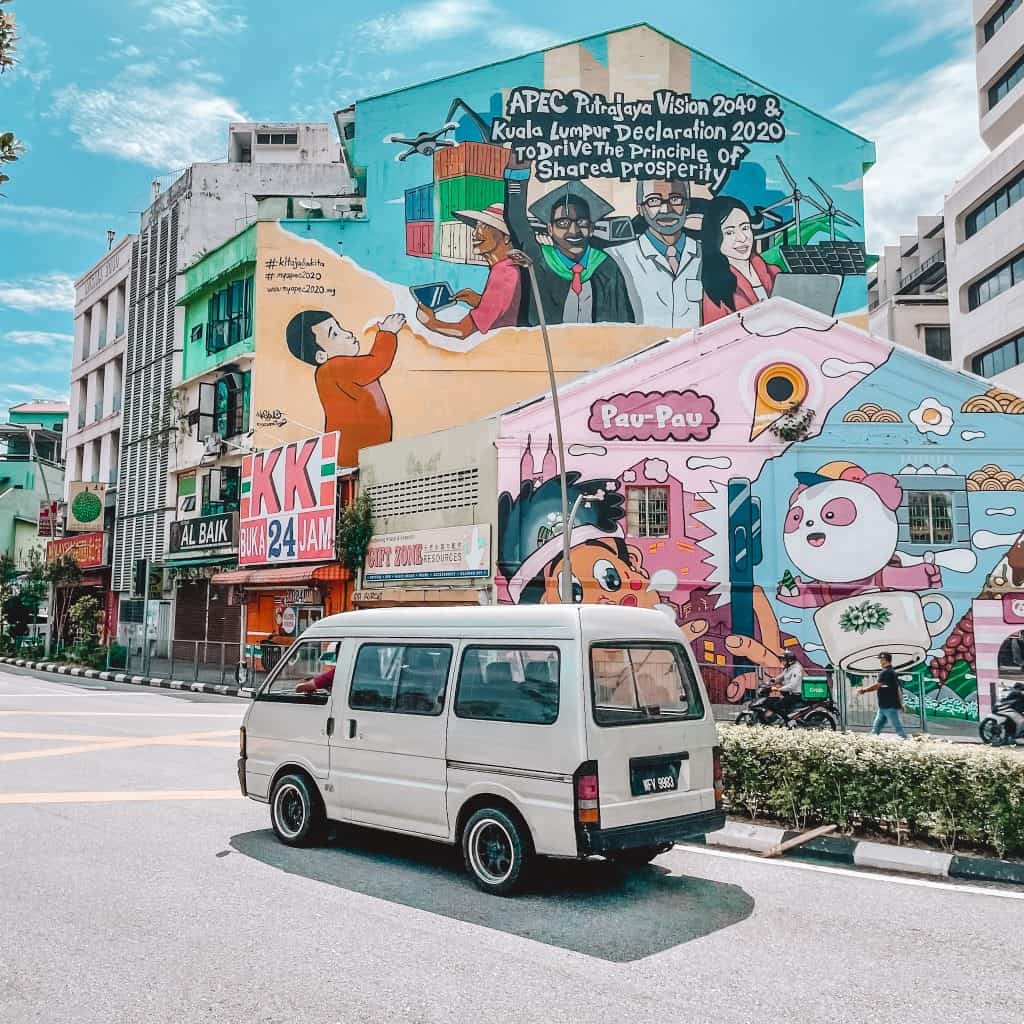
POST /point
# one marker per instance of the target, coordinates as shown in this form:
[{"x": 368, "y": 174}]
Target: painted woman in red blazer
[{"x": 733, "y": 275}]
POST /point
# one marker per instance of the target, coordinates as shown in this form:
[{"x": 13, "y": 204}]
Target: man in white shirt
[
  {"x": 662, "y": 266},
  {"x": 790, "y": 683}
]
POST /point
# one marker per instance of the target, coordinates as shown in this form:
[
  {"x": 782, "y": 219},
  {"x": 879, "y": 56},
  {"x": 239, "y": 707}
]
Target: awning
[
  {"x": 175, "y": 561},
  {"x": 284, "y": 577}
]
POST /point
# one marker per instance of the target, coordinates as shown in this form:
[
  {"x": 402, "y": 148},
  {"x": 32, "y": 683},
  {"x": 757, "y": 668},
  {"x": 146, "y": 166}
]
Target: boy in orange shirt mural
[{"x": 347, "y": 382}]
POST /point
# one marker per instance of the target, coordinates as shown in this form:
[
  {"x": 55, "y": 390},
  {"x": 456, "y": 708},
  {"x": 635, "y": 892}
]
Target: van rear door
[{"x": 650, "y": 732}]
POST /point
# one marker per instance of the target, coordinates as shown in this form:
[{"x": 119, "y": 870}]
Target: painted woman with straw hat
[{"x": 498, "y": 306}]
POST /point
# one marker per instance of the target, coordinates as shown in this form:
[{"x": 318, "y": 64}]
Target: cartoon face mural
[
  {"x": 649, "y": 188},
  {"x": 759, "y": 547}
]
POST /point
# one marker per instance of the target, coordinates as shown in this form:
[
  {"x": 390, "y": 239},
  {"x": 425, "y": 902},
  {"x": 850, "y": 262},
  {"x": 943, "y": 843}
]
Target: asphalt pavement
[{"x": 139, "y": 887}]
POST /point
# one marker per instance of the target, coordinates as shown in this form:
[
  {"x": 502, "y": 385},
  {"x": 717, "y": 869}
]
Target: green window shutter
[{"x": 245, "y": 398}]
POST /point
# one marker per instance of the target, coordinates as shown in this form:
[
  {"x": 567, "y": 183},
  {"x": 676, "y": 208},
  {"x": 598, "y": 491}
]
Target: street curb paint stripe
[
  {"x": 121, "y": 677},
  {"x": 908, "y": 860}
]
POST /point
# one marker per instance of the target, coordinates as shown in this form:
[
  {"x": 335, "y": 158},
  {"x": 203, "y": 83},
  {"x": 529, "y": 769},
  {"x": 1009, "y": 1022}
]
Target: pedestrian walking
[{"x": 890, "y": 699}]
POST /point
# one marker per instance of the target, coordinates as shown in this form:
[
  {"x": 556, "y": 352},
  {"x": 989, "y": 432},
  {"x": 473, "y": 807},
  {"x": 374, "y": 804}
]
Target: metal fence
[{"x": 198, "y": 661}]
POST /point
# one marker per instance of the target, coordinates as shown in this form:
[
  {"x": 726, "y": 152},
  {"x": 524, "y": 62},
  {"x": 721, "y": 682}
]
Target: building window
[
  {"x": 995, "y": 205},
  {"x": 996, "y": 282},
  {"x": 931, "y": 517},
  {"x": 277, "y": 139},
  {"x": 229, "y": 316},
  {"x": 936, "y": 342},
  {"x": 231, "y": 404},
  {"x": 647, "y": 511},
  {"x": 1001, "y": 358},
  {"x": 220, "y": 491},
  {"x": 998, "y": 20},
  {"x": 1006, "y": 83}
]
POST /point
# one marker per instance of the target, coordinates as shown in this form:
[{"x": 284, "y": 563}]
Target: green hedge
[{"x": 953, "y": 795}]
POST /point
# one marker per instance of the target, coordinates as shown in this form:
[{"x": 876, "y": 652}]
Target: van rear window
[
  {"x": 509, "y": 684},
  {"x": 642, "y": 682}
]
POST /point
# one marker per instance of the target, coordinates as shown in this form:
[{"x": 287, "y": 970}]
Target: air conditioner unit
[{"x": 213, "y": 444}]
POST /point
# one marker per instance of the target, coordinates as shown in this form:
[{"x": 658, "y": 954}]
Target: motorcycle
[
  {"x": 1006, "y": 723},
  {"x": 820, "y": 714}
]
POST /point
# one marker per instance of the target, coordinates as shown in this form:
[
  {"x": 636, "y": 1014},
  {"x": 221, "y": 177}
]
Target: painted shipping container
[
  {"x": 419, "y": 203},
  {"x": 468, "y": 193},
  {"x": 477, "y": 158},
  {"x": 419, "y": 238},
  {"x": 456, "y": 244}
]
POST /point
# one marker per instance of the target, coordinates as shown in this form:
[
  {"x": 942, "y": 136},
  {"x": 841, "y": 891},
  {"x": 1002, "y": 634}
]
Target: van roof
[{"x": 615, "y": 620}]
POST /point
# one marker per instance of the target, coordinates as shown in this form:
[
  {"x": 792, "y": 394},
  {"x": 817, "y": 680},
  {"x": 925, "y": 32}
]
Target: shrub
[
  {"x": 118, "y": 656},
  {"x": 940, "y": 792}
]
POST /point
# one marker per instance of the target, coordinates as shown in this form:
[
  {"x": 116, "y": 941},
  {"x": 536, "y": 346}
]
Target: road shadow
[{"x": 593, "y": 907}]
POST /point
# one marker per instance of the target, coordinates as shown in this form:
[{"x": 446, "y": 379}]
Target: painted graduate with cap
[{"x": 578, "y": 283}]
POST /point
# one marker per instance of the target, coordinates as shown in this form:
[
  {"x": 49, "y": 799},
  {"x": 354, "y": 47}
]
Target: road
[{"x": 139, "y": 887}]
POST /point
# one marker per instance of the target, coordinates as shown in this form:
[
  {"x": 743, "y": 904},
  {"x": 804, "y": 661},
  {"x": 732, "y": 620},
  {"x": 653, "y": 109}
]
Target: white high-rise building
[{"x": 984, "y": 213}]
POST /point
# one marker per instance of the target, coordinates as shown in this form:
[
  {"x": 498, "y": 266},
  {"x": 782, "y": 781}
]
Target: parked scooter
[
  {"x": 1006, "y": 723},
  {"x": 807, "y": 713}
]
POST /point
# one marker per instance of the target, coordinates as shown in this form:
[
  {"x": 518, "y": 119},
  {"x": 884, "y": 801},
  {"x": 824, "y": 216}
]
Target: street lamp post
[{"x": 565, "y": 585}]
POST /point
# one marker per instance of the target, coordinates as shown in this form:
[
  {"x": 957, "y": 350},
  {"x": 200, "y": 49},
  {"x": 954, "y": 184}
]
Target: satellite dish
[
  {"x": 213, "y": 444},
  {"x": 308, "y": 205}
]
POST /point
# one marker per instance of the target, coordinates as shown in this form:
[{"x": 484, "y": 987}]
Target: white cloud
[
  {"x": 196, "y": 17},
  {"x": 45, "y": 291},
  {"x": 41, "y": 339},
  {"x": 437, "y": 20},
  {"x": 930, "y": 19},
  {"x": 165, "y": 127},
  {"x": 926, "y": 132},
  {"x": 57, "y": 220}
]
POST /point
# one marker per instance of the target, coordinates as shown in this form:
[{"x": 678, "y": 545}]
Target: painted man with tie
[
  {"x": 662, "y": 266},
  {"x": 578, "y": 284}
]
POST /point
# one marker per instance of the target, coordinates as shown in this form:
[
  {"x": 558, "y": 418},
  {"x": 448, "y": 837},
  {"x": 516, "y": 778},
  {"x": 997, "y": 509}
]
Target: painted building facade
[
  {"x": 653, "y": 189},
  {"x": 780, "y": 482}
]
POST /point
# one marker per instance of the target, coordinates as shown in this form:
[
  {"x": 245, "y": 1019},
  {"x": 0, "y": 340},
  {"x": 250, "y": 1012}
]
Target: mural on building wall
[
  {"x": 884, "y": 529},
  {"x": 651, "y": 189}
]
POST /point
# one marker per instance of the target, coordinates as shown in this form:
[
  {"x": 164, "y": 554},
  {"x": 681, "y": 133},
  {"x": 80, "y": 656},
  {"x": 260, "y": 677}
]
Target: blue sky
[{"x": 114, "y": 93}]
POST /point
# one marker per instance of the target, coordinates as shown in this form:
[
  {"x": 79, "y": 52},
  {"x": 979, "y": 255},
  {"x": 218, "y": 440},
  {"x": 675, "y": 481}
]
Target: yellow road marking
[
  {"x": 115, "y": 797},
  {"x": 114, "y": 744},
  {"x": 54, "y": 736}
]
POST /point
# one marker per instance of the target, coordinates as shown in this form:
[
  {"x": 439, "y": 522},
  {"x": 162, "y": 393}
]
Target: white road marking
[
  {"x": 924, "y": 883},
  {"x": 119, "y": 714}
]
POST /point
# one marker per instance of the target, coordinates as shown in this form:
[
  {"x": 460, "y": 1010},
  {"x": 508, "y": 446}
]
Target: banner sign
[
  {"x": 85, "y": 506},
  {"x": 205, "y": 532},
  {"x": 89, "y": 550},
  {"x": 48, "y": 519},
  {"x": 288, "y": 503},
  {"x": 457, "y": 552}
]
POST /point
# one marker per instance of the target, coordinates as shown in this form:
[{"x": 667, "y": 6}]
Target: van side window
[
  {"x": 409, "y": 679},
  {"x": 509, "y": 684},
  {"x": 306, "y": 674},
  {"x": 642, "y": 682}
]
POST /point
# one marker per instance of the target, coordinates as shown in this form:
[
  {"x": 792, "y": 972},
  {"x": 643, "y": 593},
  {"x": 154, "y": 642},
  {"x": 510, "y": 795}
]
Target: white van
[{"x": 560, "y": 731}]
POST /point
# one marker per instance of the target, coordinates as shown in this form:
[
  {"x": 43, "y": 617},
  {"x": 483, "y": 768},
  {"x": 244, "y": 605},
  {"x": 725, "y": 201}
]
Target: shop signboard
[
  {"x": 85, "y": 506},
  {"x": 48, "y": 519},
  {"x": 288, "y": 503},
  {"x": 458, "y": 552},
  {"x": 89, "y": 550},
  {"x": 205, "y": 532}
]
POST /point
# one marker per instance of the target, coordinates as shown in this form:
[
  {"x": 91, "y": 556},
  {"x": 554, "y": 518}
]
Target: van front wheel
[
  {"x": 497, "y": 851},
  {"x": 296, "y": 812}
]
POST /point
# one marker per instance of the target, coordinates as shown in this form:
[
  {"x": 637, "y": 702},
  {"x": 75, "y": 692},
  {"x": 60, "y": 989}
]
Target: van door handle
[
  {"x": 330, "y": 726},
  {"x": 351, "y": 728}
]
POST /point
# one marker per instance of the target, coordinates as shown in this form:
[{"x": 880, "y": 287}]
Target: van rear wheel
[
  {"x": 296, "y": 811},
  {"x": 497, "y": 850},
  {"x": 640, "y": 855}
]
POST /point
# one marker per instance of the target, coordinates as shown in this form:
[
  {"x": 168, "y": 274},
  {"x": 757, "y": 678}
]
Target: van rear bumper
[{"x": 651, "y": 833}]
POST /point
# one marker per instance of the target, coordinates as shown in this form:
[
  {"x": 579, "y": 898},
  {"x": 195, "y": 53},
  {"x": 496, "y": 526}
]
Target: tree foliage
[
  {"x": 87, "y": 620},
  {"x": 10, "y": 147},
  {"x": 64, "y": 575},
  {"x": 355, "y": 528}
]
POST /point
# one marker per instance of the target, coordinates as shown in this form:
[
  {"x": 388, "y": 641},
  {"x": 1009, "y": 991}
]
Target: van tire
[
  {"x": 639, "y": 856},
  {"x": 296, "y": 811},
  {"x": 497, "y": 849}
]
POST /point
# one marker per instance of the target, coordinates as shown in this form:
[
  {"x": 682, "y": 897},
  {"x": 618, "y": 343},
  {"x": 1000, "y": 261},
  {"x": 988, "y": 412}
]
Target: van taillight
[
  {"x": 588, "y": 796},
  {"x": 241, "y": 742},
  {"x": 719, "y": 785}
]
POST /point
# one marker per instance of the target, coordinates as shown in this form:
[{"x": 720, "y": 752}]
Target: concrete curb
[
  {"x": 908, "y": 860},
  {"x": 121, "y": 677}
]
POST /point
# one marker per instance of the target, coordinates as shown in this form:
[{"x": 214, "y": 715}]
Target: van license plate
[{"x": 645, "y": 780}]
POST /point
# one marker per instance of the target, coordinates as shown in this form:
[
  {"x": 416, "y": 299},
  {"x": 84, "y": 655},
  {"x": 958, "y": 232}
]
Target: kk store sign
[{"x": 288, "y": 503}]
